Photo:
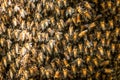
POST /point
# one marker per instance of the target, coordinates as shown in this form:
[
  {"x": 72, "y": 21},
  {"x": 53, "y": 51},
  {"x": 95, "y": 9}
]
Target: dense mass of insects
[{"x": 59, "y": 39}]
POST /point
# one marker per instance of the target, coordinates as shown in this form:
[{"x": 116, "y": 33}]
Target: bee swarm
[{"x": 59, "y": 39}]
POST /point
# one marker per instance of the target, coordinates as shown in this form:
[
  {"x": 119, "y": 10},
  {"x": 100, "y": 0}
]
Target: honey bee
[
  {"x": 3, "y": 27},
  {"x": 113, "y": 47},
  {"x": 9, "y": 56},
  {"x": 22, "y": 35},
  {"x": 66, "y": 54},
  {"x": 107, "y": 34},
  {"x": 57, "y": 10},
  {"x": 26, "y": 74},
  {"x": 56, "y": 49},
  {"x": 97, "y": 74},
  {"x": 90, "y": 68},
  {"x": 92, "y": 25},
  {"x": 11, "y": 74},
  {"x": 9, "y": 43},
  {"x": 57, "y": 74},
  {"x": 118, "y": 57},
  {"x": 102, "y": 25},
  {"x": 101, "y": 50},
  {"x": 2, "y": 41},
  {"x": 71, "y": 30},
  {"x": 13, "y": 67},
  {"x": 66, "y": 63},
  {"x": 83, "y": 33},
  {"x": 75, "y": 52},
  {"x": 66, "y": 37},
  {"x": 65, "y": 73},
  {"x": 105, "y": 63},
  {"x": 4, "y": 59},
  {"x": 111, "y": 24},
  {"x": 109, "y": 4},
  {"x": 88, "y": 44},
  {"x": 107, "y": 70},
  {"x": 16, "y": 33},
  {"x": 69, "y": 11},
  {"x": 14, "y": 21},
  {"x": 9, "y": 31},
  {"x": 98, "y": 35},
  {"x": 88, "y": 58},
  {"x": 80, "y": 47},
  {"x": 103, "y": 5},
  {"x": 87, "y": 14},
  {"x": 78, "y": 18},
  {"x": 108, "y": 54},
  {"x": 79, "y": 61},
  {"x": 87, "y": 5},
  {"x": 117, "y": 31},
  {"x": 79, "y": 9},
  {"x": 117, "y": 2},
  {"x": 84, "y": 72},
  {"x": 95, "y": 61},
  {"x": 52, "y": 20},
  {"x": 17, "y": 61},
  {"x": 73, "y": 68},
  {"x": 74, "y": 19},
  {"x": 58, "y": 35},
  {"x": 43, "y": 46},
  {"x": 103, "y": 41},
  {"x": 108, "y": 42},
  {"x": 69, "y": 49}
]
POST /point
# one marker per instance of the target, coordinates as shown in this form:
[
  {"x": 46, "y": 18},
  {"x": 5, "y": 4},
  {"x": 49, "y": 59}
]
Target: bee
[
  {"x": 28, "y": 45},
  {"x": 79, "y": 61},
  {"x": 117, "y": 31},
  {"x": 9, "y": 56},
  {"x": 62, "y": 23},
  {"x": 11, "y": 74},
  {"x": 17, "y": 61},
  {"x": 78, "y": 18},
  {"x": 69, "y": 49},
  {"x": 52, "y": 20},
  {"x": 69, "y": 11},
  {"x": 71, "y": 30},
  {"x": 57, "y": 10},
  {"x": 83, "y": 33},
  {"x": 113, "y": 47},
  {"x": 66, "y": 37},
  {"x": 3, "y": 27},
  {"x": 108, "y": 71},
  {"x": 43, "y": 46},
  {"x": 47, "y": 72},
  {"x": 88, "y": 44},
  {"x": 111, "y": 24},
  {"x": 84, "y": 72},
  {"x": 109, "y": 4},
  {"x": 58, "y": 35},
  {"x": 75, "y": 52},
  {"x": 4, "y": 59},
  {"x": 108, "y": 54},
  {"x": 65, "y": 73},
  {"x": 13, "y": 67},
  {"x": 9, "y": 31},
  {"x": 98, "y": 56},
  {"x": 103, "y": 41},
  {"x": 73, "y": 68},
  {"x": 57, "y": 74},
  {"x": 90, "y": 68},
  {"x": 22, "y": 35},
  {"x": 74, "y": 19},
  {"x": 14, "y": 21},
  {"x": 87, "y": 14},
  {"x": 75, "y": 34},
  {"x": 87, "y": 5},
  {"x": 118, "y": 57},
  {"x": 66, "y": 63},
  {"x": 88, "y": 58},
  {"x": 101, "y": 50},
  {"x": 22, "y": 13},
  {"x": 92, "y": 25},
  {"x": 16, "y": 33},
  {"x": 105, "y": 63},
  {"x": 26, "y": 74},
  {"x": 103, "y": 5},
  {"x": 117, "y": 2},
  {"x": 79, "y": 9},
  {"x": 95, "y": 61},
  {"x": 98, "y": 35},
  {"x": 97, "y": 74},
  {"x": 2, "y": 41},
  {"x": 9, "y": 43},
  {"x": 80, "y": 47},
  {"x": 56, "y": 49},
  {"x": 107, "y": 34},
  {"x": 108, "y": 42},
  {"x": 102, "y": 25},
  {"x": 86, "y": 50}
]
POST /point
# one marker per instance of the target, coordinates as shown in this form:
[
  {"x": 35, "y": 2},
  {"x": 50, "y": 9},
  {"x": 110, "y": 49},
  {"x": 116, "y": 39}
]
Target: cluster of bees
[{"x": 59, "y": 39}]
